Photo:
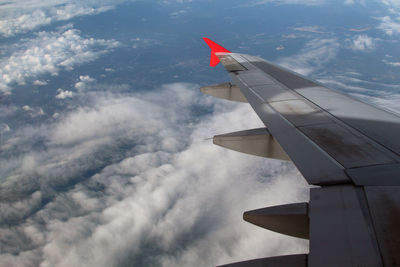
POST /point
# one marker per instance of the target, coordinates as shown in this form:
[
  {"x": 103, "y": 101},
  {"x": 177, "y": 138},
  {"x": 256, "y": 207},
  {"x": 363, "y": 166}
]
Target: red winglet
[{"x": 215, "y": 48}]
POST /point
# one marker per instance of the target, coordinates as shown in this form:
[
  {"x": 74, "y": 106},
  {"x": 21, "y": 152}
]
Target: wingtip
[
  {"x": 207, "y": 40},
  {"x": 215, "y": 48}
]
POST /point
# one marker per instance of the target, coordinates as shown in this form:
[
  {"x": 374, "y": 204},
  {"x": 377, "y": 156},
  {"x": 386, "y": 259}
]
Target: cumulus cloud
[
  {"x": 39, "y": 82},
  {"x": 83, "y": 82},
  {"x": 363, "y": 43},
  {"x": 314, "y": 54},
  {"x": 61, "y": 94},
  {"x": 22, "y": 16},
  {"x": 129, "y": 180},
  {"x": 37, "y": 111},
  {"x": 49, "y": 53},
  {"x": 27, "y": 108}
]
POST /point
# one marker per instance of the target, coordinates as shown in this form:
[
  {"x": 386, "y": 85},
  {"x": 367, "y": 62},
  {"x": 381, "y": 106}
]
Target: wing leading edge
[{"x": 348, "y": 148}]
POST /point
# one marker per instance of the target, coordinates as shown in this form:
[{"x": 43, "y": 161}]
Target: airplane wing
[{"x": 349, "y": 149}]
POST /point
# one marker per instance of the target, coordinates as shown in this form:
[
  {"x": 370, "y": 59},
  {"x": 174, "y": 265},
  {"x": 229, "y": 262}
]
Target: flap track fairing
[
  {"x": 225, "y": 91},
  {"x": 289, "y": 219},
  {"x": 258, "y": 142}
]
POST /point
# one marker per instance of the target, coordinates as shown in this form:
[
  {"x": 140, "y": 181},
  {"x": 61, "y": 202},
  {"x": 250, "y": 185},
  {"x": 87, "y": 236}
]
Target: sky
[{"x": 105, "y": 150}]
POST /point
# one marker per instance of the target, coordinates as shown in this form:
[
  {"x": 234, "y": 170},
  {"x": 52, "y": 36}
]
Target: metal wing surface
[{"x": 350, "y": 149}]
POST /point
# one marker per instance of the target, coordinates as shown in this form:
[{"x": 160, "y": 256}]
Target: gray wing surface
[{"x": 350, "y": 149}]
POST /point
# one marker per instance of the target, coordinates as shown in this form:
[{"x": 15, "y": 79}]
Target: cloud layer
[{"x": 129, "y": 179}]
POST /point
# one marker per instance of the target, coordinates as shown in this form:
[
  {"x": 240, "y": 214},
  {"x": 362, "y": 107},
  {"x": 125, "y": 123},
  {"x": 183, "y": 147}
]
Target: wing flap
[
  {"x": 384, "y": 203},
  {"x": 341, "y": 231}
]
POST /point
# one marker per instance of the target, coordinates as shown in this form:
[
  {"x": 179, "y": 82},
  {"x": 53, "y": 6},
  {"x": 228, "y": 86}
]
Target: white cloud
[
  {"x": 337, "y": 82},
  {"x": 394, "y": 64},
  {"x": 61, "y": 94},
  {"x": 178, "y": 14},
  {"x": 50, "y": 52},
  {"x": 37, "y": 111},
  {"x": 154, "y": 183},
  {"x": 86, "y": 78},
  {"x": 352, "y": 2},
  {"x": 83, "y": 82},
  {"x": 384, "y": 99},
  {"x": 139, "y": 42},
  {"x": 389, "y": 25},
  {"x": 391, "y": 63},
  {"x": 286, "y": 2},
  {"x": 4, "y": 128},
  {"x": 39, "y": 82},
  {"x": 22, "y": 16},
  {"x": 27, "y": 108},
  {"x": 391, "y": 3},
  {"x": 363, "y": 43},
  {"x": 313, "y": 29},
  {"x": 314, "y": 54}
]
